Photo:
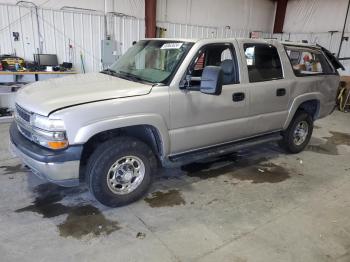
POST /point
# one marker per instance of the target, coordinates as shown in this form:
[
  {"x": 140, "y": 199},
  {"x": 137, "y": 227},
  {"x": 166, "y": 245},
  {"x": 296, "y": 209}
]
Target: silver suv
[{"x": 170, "y": 102}]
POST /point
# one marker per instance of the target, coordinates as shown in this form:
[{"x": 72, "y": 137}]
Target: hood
[{"x": 46, "y": 96}]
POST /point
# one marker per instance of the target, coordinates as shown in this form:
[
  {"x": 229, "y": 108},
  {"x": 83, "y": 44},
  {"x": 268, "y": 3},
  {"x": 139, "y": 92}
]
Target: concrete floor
[{"x": 257, "y": 205}]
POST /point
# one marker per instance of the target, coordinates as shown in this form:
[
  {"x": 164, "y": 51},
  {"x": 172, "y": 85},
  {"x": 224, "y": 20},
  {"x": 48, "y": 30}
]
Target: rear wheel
[
  {"x": 298, "y": 134},
  {"x": 120, "y": 171}
]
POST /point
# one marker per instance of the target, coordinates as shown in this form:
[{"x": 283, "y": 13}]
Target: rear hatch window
[{"x": 334, "y": 61}]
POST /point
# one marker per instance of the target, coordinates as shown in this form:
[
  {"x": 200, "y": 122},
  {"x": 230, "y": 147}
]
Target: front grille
[
  {"x": 26, "y": 133},
  {"x": 23, "y": 114},
  {"x": 22, "y": 118}
]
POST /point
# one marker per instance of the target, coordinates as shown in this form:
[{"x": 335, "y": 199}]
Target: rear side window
[
  {"x": 308, "y": 61},
  {"x": 263, "y": 62}
]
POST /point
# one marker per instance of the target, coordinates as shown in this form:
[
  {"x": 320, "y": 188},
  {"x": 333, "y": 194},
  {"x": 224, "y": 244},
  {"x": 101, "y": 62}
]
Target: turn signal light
[{"x": 57, "y": 144}]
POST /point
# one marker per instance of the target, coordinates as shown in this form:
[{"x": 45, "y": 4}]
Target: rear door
[{"x": 268, "y": 86}]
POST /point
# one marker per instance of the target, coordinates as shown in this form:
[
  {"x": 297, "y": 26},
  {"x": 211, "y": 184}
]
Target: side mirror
[{"x": 211, "y": 82}]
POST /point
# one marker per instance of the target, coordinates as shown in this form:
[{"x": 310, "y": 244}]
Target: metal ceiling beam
[
  {"x": 280, "y": 16},
  {"x": 150, "y": 18}
]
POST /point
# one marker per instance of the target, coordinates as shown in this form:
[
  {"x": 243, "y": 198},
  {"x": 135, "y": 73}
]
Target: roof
[
  {"x": 195, "y": 40},
  {"x": 260, "y": 40},
  {"x": 299, "y": 44}
]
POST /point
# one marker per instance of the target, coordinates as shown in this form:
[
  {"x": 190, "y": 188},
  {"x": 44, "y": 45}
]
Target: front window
[
  {"x": 153, "y": 61},
  {"x": 220, "y": 54}
]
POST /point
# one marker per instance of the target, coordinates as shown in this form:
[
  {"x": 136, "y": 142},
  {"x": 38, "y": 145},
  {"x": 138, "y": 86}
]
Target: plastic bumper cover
[{"x": 61, "y": 167}]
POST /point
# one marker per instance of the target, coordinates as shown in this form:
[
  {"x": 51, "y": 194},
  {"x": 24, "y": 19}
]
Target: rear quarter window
[{"x": 307, "y": 61}]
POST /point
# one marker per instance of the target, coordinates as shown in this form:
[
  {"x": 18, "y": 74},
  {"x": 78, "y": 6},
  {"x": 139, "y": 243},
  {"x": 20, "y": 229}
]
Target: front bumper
[{"x": 59, "y": 167}]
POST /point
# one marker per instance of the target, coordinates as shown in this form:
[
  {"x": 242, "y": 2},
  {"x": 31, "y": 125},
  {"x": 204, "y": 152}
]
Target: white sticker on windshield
[{"x": 171, "y": 46}]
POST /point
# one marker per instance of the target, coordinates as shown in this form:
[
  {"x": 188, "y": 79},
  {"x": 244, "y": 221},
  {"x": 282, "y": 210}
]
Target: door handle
[
  {"x": 236, "y": 97},
  {"x": 281, "y": 92}
]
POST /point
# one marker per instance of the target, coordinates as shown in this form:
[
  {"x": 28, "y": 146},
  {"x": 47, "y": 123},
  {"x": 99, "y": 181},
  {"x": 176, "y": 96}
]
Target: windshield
[{"x": 153, "y": 61}]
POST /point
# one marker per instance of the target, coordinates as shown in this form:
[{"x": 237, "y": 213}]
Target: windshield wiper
[
  {"x": 132, "y": 76},
  {"x": 109, "y": 71}
]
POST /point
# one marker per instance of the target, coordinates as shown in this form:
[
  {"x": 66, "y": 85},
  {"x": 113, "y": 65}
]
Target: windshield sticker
[{"x": 171, "y": 46}]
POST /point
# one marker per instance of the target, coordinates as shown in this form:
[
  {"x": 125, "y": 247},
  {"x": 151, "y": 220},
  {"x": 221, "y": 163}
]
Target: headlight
[
  {"x": 45, "y": 123},
  {"x": 49, "y": 133}
]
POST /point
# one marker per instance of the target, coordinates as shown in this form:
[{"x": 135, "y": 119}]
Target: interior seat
[{"x": 227, "y": 67}]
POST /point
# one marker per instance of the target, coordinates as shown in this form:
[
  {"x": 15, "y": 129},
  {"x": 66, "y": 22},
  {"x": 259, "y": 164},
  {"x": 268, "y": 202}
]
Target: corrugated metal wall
[
  {"x": 197, "y": 31},
  {"x": 72, "y": 34},
  {"x": 125, "y": 30},
  {"x": 187, "y": 31},
  {"x": 17, "y": 19},
  {"x": 67, "y": 34}
]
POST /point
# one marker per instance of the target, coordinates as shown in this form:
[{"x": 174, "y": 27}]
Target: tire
[
  {"x": 290, "y": 141},
  {"x": 120, "y": 171}
]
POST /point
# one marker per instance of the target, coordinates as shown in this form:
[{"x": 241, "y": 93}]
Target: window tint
[
  {"x": 263, "y": 62},
  {"x": 215, "y": 55},
  {"x": 307, "y": 61}
]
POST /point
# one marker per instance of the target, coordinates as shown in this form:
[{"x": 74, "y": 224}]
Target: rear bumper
[
  {"x": 61, "y": 167},
  {"x": 327, "y": 109}
]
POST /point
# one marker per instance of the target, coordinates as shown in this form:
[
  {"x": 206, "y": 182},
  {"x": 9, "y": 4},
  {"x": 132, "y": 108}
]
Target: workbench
[{"x": 36, "y": 74}]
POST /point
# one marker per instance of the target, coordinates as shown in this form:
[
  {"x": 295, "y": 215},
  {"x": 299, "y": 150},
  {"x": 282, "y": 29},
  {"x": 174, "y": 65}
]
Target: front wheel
[
  {"x": 120, "y": 171},
  {"x": 298, "y": 134}
]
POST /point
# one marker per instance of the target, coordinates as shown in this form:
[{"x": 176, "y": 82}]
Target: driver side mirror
[{"x": 211, "y": 82}]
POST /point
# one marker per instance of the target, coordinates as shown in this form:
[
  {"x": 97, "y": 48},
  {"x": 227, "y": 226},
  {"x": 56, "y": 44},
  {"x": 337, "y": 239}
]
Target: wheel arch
[
  {"x": 154, "y": 134},
  {"x": 311, "y": 103}
]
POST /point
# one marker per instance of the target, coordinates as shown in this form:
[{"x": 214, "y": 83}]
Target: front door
[{"x": 200, "y": 120}]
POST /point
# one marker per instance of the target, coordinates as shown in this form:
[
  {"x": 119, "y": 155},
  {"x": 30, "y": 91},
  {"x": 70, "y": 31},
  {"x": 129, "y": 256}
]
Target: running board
[{"x": 193, "y": 156}]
